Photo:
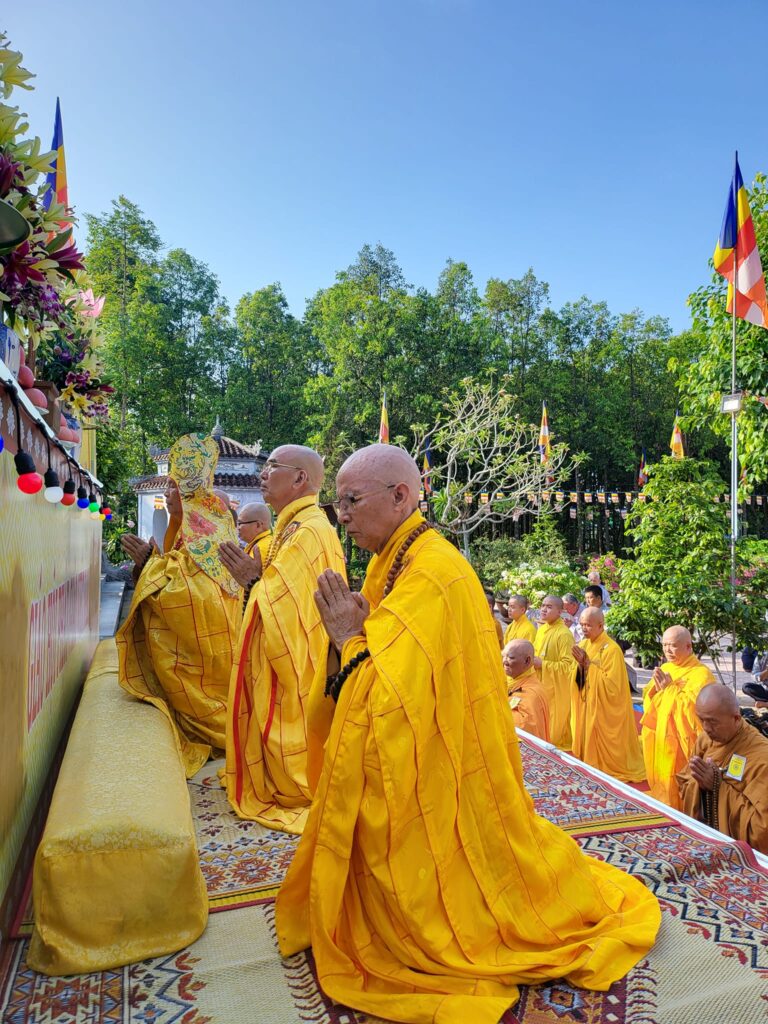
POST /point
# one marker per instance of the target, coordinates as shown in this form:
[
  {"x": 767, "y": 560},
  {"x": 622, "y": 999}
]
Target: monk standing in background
[
  {"x": 524, "y": 690},
  {"x": 425, "y": 883},
  {"x": 554, "y": 660},
  {"x": 670, "y": 726},
  {"x": 520, "y": 626},
  {"x": 283, "y": 646},
  {"x": 725, "y": 784},
  {"x": 603, "y": 721},
  {"x": 176, "y": 646},
  {"x": 254, "y": 527}
]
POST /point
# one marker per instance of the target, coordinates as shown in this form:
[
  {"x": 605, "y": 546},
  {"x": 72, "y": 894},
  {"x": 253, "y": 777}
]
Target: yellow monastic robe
[
  {"x": 529, "y": 703},
  {"x": 670, "y": 726},
  {"x": 176, "y": 649},
  {"x": 522, "y": 629},
  {"x": 262, "y": 541},
  {"x": 553, "y": 644},
  {"x": 282, "y": 652},
  {"x": 425, "y": 883},
  {"x": 742, "y": 804},
  {"x": 603, "y": 721}
]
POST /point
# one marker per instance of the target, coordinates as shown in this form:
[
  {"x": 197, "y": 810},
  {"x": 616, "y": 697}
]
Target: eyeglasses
[
  {"x": 348, "y": 502},
  {"x": 270, "y": 464},
  {"x": 246, "y": 522}
]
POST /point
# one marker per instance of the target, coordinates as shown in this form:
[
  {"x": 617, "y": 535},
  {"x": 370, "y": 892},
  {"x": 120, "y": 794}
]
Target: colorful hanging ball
[
  {"x": 82, "y": 498},
  {"x": 93, "y": 505},
  {"x": 107, "y": 511},
  {"x": 2, "y": 443},
  {"x": 68, "y": 493},
  {"x": 29, "y": 480},
  {"x": 53, "y": 491}
]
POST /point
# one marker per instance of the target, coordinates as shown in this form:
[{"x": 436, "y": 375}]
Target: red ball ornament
[
  {"x": 107, "y": 510},
  {"x": 29, "y": 483},
  {"x": 68, "y": 499}
]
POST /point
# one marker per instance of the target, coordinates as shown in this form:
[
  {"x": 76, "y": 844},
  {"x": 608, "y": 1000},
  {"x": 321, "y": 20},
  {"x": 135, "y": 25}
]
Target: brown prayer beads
[{"x": 398, "y": 563}]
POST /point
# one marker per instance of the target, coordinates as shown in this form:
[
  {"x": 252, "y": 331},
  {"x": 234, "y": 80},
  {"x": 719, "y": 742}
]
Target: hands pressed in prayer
[
  {"x": 242, "y": 567},
  {"x": 343, "y": 611},
  {"x": 661, "y": 679},
  {"x": 580, "y": 655},
  {"x": 703, "y": 772},
  {"x": 138, "y": 550}
]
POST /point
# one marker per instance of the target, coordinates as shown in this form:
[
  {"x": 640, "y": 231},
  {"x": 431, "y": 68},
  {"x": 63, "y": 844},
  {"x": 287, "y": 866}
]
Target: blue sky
[{"x": 592, "y": 141}]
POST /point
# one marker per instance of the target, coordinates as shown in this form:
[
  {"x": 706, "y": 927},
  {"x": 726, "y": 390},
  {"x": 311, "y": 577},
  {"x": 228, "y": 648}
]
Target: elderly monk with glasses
[
  {"x": 254, "y": 527},
  {"x": 425, "y": 883},
  {"x": 282, "y": 650}
]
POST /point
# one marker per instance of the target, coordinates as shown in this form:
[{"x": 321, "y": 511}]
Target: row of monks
[
  {"x": 376, "y": 725},
  {"x": 577, "y": 696}
]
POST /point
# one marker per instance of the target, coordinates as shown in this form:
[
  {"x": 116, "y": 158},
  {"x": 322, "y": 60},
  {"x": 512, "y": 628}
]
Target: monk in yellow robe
[
  {"x": 554, "y": 661},
  {"x": 602, "y": 718},
  {"x": 424, "y": 881},
  {"x": 670, "y": 726},
  {"x": 520, "y": 626},
  {"x": 524, "y": 690},
  {"x": 176, "y": 646},
  {"x": 254, "y": 527},
  {"x": 725, "y": 783},
  {"x": 282, "y": 649}
]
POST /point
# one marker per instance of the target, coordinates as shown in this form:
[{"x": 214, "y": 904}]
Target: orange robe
[
  {"x": 521, "y": 629},
  {"x": 282, "y": 652},
  {"x": 553, "y": 644},
  {"x": 603, "y": 721},
  {"x": 424, "y": 881},
  {"x": 529, "y": 703},
  {"x": 670, "y": 726}
]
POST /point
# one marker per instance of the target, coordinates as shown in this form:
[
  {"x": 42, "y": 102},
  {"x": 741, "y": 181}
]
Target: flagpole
[{"x": 734, "y": 429}]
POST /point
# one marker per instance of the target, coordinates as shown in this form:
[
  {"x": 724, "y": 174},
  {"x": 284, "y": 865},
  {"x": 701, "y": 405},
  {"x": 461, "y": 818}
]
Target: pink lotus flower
[{"x": 94, "y": 305}]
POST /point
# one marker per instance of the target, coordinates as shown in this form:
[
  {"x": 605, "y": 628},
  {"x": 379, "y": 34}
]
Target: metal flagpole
[{"x": 734, "y": 428}]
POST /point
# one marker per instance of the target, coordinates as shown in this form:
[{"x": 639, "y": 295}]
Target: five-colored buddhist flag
[
  {"x": 642, "y": 473},
  {"x": 384, "y": 422},
  {"x": 426, "y": 471},
  {"x": 737, "y": 238},
  {"x": 676, "y": 442},
  {"x": 56, "y": 180},
  {"x": 544, "y": 435}
]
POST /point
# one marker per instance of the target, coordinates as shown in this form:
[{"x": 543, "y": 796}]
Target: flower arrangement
[
  {"x": 535, "y": 581},
  {"x": 44, "y": 293},
  {"x": 609, "y": 567}
]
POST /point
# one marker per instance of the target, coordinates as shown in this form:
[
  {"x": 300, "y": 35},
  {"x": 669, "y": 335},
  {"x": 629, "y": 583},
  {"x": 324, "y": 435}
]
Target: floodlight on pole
[{"x": 732, "y": 403}]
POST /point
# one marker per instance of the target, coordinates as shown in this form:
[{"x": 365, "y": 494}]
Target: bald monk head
[
  {"x": 291, "y": 472},
  {"x": 253, "y": 519},
  {"x": 592, "y": 622},
  {"x": 551, "y": 609},
  {"x": 677, "y": 644},
  {"x": 517, "y": 606},
  {"x": 718, "y": 711},
  {"x": 377, "y": 489},
  {"x": 517, "y": 657}
]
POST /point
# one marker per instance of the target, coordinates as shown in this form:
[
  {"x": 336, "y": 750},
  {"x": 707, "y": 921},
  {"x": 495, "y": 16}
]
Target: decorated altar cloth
[{"x": 710, "y": 963}]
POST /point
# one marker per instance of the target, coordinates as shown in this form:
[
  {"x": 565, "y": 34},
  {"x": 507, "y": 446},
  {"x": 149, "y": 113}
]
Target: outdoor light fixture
[
  {"x": 731, "y": 403},
  {"x": 68, "y": 493},
  {"x": 53, "y": 492},
  {"x": 82, "y": 497}
]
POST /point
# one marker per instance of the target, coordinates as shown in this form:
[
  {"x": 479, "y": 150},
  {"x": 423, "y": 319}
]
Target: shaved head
[
  {"x": 256, "y": 511},
  {"x": 292, "y": 471},
  {"x": 593, "y": 615},
  {"x": 678, "y": 644},
  {"x": 551, "y": 609},
  {"x": 718, "y": 711},
  {"x": 557, "y": 601},
  {"x": 517, "y": 657},
  {"x": 378, "y": 489},
  {"x": 304, "y": 458},
  {"x": 677, "y": 634}
]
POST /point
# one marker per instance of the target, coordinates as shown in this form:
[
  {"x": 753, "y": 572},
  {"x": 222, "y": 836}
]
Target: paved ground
[{"x": 111, "y": 601}]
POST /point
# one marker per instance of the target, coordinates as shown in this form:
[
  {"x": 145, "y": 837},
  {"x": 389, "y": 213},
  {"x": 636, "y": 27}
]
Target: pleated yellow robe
[
  {"x": 261, "y": 543},
  {"x": 603, "y": 721},
  {"x": 521, "y": 629},
  {"x": 175, "y": 650},
  {"x": 425, "y": 883},
  {"x": 553, "y": 644},
  {"x": 670, "y": 726},
  {"x": 282, "y": 653}
]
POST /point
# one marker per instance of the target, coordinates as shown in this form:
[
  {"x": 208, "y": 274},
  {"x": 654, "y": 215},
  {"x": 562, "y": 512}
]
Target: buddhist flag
[
  {"x": 676, "y": 442},
  {"x": 642, "y": 473},
  {"x": 737, "y": 236},
  {"x": 544, "y": 435},
  {"x": 56, "y": 180},
  {"x": 426, "y": 472},
  {"x": 384, "y": 423}
]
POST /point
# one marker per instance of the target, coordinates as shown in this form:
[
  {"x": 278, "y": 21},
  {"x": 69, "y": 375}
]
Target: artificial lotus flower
[
  {"x": 93, "y": 305},
  {"x": 12, "y": 74}
]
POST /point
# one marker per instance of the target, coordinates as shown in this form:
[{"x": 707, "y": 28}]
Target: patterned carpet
[{"x": 709, "y": 966}]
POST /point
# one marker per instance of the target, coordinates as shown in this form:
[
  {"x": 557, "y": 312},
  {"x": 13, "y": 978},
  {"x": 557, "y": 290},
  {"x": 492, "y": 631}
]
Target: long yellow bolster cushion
[{"x": 117, "y": 876}]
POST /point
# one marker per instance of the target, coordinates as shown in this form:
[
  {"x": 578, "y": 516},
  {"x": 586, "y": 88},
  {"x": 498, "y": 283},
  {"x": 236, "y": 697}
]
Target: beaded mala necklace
[{"x": 333, "y": 684}]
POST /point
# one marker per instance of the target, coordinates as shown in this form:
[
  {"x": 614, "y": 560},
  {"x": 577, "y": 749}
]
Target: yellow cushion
[{"x": 116, "y": 877}]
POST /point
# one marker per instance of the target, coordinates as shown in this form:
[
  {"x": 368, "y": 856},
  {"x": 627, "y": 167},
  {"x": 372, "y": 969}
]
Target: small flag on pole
[
  {"x": 544, "y": 435},
  {"x": 426, "y": 472},
  {"x": 56, "y": 180},
  {"x": 384, "y": 422},
  {"x": 676, "y": 442},
  {"x": 738, "y": 233},
  {"x": 642, "y": 474}
]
